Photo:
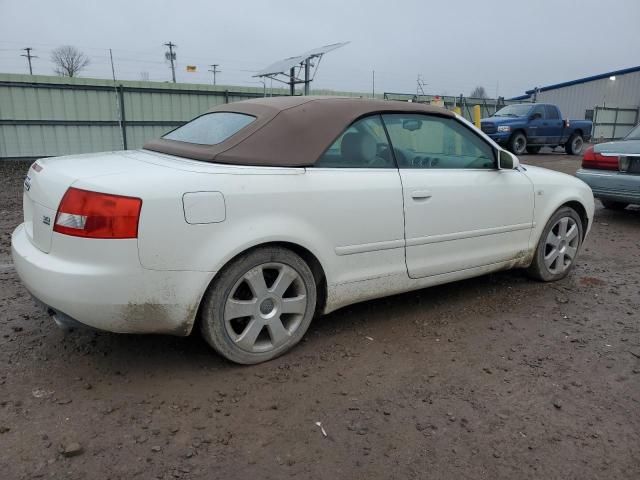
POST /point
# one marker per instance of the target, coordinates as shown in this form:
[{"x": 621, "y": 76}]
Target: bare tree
[
  {"x": 478, "y": 92},
  {"x": 68, "y": 61}
]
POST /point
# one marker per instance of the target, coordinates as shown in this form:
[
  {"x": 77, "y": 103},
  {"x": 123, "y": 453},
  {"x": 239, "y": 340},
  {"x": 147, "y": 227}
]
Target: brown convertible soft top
[{"x": 288, "y": 131}]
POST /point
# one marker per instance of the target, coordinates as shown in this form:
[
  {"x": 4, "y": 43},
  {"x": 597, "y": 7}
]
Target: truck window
[
  {"x": 552, "y": 112},
  {"x": 539, "y": 111}
]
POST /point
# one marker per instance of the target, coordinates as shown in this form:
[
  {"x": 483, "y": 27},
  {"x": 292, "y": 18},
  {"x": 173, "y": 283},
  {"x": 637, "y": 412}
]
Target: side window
[
  {"x": 425, "y": 141},
  {"x": 362, "y": 145},
  {"x": 552, "y": 112},
  {"x": 538, "y": 112}
]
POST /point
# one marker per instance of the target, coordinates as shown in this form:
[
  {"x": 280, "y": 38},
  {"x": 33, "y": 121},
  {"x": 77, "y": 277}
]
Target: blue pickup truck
[{"x": 527, "y": 127}]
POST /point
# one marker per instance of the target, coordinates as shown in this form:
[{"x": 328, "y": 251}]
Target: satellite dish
[{"x": 302, "y": 63}]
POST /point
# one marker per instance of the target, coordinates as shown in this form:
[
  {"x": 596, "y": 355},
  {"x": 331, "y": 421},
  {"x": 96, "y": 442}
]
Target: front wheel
[
  {"x": 260, "y": 306},
  {"x": 518, "y": 143},
  {"x": 574, "y": 145},
  {"x": 558, "y": 246}
]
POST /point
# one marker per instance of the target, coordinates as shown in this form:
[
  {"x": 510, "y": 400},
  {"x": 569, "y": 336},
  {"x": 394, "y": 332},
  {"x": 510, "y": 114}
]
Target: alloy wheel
[
  {"x": 265, "y": 307},
  {"x": 576, "y": 145},
  {"x": 561, "y": 245}
]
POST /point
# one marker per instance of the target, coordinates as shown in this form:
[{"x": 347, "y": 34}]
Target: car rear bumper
[
  {"x": 116, "y": 296},
  {"x": 611, "y": 185}
]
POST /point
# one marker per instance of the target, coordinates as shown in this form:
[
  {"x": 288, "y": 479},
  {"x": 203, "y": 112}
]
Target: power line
[
  {"x": 171, "y": 56},
  {"x": 214, "y": 70},
  {"x": 29, "y": 57}
]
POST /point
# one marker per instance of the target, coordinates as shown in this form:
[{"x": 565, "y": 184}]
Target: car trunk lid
[
  {"x": 626, "y": 153},
  {"x": 47, "y": 181}
]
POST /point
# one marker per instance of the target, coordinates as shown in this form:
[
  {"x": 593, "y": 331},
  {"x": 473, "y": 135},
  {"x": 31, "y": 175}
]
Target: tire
[
  {"x": 612, "y": 205},
  {"x": 533, "y": 150},
  {"x": 242, "y": 315},
  {"x": 574, "y": 145},
  {"x": 518, "y": 143},
  {"x": 548, "y": 267}
]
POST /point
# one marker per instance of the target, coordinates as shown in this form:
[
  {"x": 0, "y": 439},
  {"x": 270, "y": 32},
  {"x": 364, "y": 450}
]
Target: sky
[{"x": 454, "y": 45}]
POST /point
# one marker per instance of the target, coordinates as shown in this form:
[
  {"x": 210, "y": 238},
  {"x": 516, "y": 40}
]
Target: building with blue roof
[{"x": 578, "y": 98}]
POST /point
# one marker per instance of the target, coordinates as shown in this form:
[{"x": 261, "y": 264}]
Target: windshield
[
  {"x": 210, "y": 128},
  {"x": 634, "y": 134},
  {"x": 513, "y": 111}
]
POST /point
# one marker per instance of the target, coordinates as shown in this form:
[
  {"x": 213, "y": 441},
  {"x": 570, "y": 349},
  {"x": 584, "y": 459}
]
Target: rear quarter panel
[{"x": 263, "y": 205}]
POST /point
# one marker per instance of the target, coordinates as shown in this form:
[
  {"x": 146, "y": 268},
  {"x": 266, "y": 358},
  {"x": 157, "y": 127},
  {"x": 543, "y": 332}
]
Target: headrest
[{"x": 358, "y": 147}]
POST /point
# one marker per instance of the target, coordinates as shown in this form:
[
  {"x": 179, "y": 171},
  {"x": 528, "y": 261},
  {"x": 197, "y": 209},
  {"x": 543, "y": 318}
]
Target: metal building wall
[
  {"x": 48, "y": 116},
  {"x": 574, "y": 100}
]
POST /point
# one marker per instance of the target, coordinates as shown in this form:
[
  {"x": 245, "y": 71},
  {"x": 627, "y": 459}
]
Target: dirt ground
[{"x": 495, "y": 377}]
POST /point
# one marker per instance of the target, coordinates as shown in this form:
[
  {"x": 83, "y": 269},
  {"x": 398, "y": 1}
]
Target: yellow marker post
[{"x": 476, "y": 115}]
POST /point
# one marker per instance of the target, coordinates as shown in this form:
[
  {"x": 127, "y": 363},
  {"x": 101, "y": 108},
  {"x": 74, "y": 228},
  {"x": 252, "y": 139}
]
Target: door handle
[{"x": 421, "y": 194}]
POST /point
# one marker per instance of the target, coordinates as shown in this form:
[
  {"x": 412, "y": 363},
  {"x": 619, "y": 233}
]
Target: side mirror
[
  {"x": 535, "y": 116},
  {"x": 507, "y": 161}
]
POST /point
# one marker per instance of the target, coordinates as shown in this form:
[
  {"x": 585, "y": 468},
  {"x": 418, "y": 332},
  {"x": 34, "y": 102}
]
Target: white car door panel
[
  {"x": 461, "y": 211},
  {"x": 471, "y": 218}
]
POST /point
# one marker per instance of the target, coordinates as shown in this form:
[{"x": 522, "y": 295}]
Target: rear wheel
[
  {"x": 260, "y": 305},
  {"x": 611, "y": 205},
  {"x": 558, "y": 246},
  {"x": 574, "y": 145},
  {"x": 518, "y": 143},
  {"x": 533, "y": 150}
]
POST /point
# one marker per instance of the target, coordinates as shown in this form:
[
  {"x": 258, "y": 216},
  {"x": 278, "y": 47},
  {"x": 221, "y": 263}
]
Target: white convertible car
[{"x": 253, "y": 217}]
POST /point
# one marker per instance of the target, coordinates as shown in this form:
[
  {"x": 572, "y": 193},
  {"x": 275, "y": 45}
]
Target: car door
[
  {"x": 536, "y": 128},
  {"x": 553, "y": 127},
  {"x": 357, "y": 196},
  {"x": 461, "y": 211}
]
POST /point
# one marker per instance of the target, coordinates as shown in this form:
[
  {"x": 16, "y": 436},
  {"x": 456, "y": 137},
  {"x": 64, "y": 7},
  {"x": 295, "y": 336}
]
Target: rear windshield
[{"x": 210, "y": 128}]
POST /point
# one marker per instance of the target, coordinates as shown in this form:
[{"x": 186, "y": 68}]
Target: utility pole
[
  {"x": 214, "y": 70},
  {"x": 373, "y": 84},
  {"x": 307, "y": 72},
  {"x": 171, "y": 56},
  {"x": 29, "y": 57}
]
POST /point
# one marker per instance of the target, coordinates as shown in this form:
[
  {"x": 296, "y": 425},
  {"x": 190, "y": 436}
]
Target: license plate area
[
  {"x": 38, "y": 222},
  {"x": 634, "y": 165}
]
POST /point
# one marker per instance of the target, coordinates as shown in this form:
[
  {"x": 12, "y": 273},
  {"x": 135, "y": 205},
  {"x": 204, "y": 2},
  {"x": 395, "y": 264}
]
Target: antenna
[
  {"x": 292, "y": 68},
  {"x": 420, "y": 84}
]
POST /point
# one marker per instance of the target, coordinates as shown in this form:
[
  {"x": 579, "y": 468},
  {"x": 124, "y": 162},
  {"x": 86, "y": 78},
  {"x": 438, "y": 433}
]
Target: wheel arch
[
  {"x": 582, "y": 212},
  {"x": 517, "y": 131},
  {"x": 309, "y": 257}
]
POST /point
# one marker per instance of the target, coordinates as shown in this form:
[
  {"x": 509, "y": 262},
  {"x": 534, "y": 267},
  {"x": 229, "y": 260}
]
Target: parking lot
[{"x": 494, "y": 377}]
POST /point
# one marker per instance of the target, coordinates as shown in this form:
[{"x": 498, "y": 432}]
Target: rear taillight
[
  {"x": 592, "y": 159},
  {"x": 97, "y": 215}
]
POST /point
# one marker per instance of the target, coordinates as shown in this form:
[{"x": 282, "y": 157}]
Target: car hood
[
  {"x": 541, "y": 176},
  {"x": 622, "y": 147}
]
